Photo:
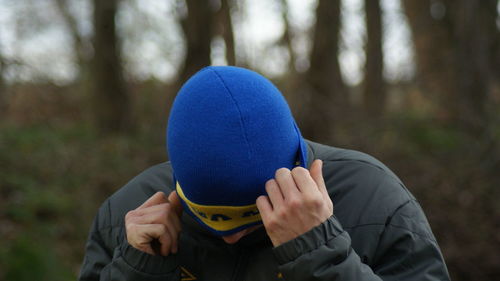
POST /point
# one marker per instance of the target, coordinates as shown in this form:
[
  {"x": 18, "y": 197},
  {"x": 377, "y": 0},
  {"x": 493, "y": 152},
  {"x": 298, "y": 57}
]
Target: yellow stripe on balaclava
[{"x": 221, "y": 218}]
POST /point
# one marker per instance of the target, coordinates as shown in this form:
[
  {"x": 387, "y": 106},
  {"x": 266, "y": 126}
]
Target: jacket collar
[{"x": 310, "y": 154}]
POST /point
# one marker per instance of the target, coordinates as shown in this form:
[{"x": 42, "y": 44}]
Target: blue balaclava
[{"x": 229, "y": 130}]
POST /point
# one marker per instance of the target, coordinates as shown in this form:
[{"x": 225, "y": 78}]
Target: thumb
[
  {"x": 175, "y": 201},
  {"x": 316, "y": 172}
]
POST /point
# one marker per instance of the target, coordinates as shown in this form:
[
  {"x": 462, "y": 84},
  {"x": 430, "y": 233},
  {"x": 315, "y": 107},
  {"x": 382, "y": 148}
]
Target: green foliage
[
  {"x": 435, "y": 139},
  {"x": 52, "y": 181},
  {"x": 29, "y": 258},
  {"x": 424, "y": 135}
]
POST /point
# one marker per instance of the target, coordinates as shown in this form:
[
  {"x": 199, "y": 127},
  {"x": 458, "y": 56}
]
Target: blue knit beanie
[{"x": 229, "y": 130}]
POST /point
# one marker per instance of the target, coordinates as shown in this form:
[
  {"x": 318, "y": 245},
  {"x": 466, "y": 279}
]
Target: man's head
[{"x": 229, "y": 130}]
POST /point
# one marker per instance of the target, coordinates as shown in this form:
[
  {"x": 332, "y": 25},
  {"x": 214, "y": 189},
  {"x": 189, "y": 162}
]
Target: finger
[
  {"x": 174, "y": 199},
  {"x": 152, "y": 209},
  {"x": 166, "y": 244},
  {"x": 161, "y": 217},
  {"x": 274, "y": 193},
  {"x": 265, "y": 208},
  {"x": 164, "y": 213},
  {"x": 286, "y": 183},
  {"x": 175, "y": 241},
  {"x": 173, "y": 235},
  {"x": 151, "y": 232},
  {"x": 176, "y": 221},
  {"x": 157, "y": 198},
  {"x": 157, "y": 215},
  {"x": 144, "y": 215},
  {"x": 140, "y": 236},
  {"x": 304, "y": 181},
  {"x": 317, "y": 175},
  {"x": 134, "y": 235},
  {"x": 143, "y": 234}
]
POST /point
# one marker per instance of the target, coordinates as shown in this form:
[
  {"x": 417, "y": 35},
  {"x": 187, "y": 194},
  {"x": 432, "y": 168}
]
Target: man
[{"x": 245, "y": 197}]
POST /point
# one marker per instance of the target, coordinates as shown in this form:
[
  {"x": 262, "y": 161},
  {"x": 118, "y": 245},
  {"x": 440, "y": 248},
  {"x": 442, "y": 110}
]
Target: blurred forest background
[{"x": 86, "y": 85}]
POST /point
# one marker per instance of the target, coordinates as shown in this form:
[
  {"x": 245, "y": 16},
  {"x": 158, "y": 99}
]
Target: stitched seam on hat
[{"x": 238, "y": 108}]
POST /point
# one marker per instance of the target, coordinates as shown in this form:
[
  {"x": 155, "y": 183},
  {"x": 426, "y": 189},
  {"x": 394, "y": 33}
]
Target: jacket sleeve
[
  {"x": 407, "y": 251},
  {"x": 108, "y": 257}
]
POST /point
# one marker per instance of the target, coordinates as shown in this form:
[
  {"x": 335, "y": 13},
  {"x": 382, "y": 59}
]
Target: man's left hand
[{"x": 297, "y": 201}]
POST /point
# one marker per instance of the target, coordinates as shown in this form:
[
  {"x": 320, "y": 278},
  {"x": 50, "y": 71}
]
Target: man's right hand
[{"x": 157, "y": 218}]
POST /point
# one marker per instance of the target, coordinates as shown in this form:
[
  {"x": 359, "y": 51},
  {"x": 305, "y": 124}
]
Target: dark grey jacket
[{"x": 378, "y": 232}]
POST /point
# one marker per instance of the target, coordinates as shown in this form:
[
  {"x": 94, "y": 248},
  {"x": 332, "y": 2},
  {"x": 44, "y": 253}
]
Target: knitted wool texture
[{"x": 229, "y": 130}]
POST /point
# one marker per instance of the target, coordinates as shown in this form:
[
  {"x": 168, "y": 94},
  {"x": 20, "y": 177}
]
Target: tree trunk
[
  {"x": 433, "y": 40},
  {"x": 495, "y": 36},
  {"x": 470, "y": 55},
  {"x": 81, "y": 48},
  {"x": 374, "y": 95},
  {"x": 111, "y": 100},
  {"x": 198, "y": 32},
  {"x": 286, "y": 39},
  {"x": 455, "y": 50},
  {"x": 78, "y": 42},
  {"x": 328, "y": 93},
  {"x": 225, "y": 29},
  {"x": 3, "y": 99},
  {"x": 477, "y": 33}
]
